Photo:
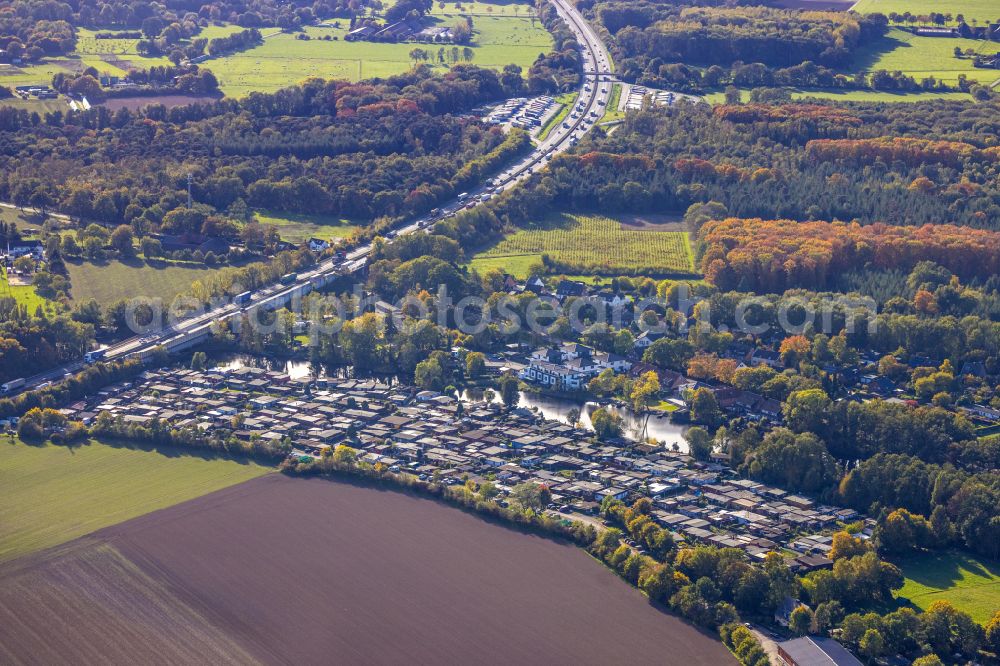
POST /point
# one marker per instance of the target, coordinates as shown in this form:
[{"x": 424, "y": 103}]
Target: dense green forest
[
  {"x": 692, "y": 46},
  {"x": 362, "y": 150},
  {"x": 764, "y": 161}
]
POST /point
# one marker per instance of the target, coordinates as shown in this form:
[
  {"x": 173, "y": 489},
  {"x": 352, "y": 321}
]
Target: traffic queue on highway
[{"x": 591, "y": 100}]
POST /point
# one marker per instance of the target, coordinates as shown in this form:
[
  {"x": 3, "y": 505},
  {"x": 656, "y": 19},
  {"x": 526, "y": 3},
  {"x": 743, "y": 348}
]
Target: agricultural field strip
[{"x": 598, "y": 240}]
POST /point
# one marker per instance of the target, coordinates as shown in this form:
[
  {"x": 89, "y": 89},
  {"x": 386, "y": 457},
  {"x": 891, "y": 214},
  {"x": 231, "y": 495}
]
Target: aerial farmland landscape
[
  {"x": 502, "y": 331},
  {"x": 424, "y": 566}
]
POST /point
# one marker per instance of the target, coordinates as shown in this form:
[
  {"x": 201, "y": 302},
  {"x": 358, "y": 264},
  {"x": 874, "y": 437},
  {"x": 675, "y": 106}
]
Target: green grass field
[
  {"x": 39, "y": 106},
  {"x": 983, "y": 11},
  {"x": 283, "y": 60},
  {"x": 297, "y": 228},
  {"x": 611, "y": 112},
  {"x": 24, "y": 294},
  {"x": 921, "y": 57},
  {"x": 115, "y": 280},
  {"x": 12, "y": 76},
  {"x": 719, "y": 96},
  {"x": 970, "y": 583},
  {"x": 505, "y": 33},
  {"x": 501, "y": 8},
  {"x": 595, "y": 244},
  {"x": 51, "y": 494}
]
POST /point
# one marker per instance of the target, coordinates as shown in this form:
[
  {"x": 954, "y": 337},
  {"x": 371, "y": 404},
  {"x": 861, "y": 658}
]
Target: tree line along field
[
  {"x": 982, "y": 11},
  {"x": 969, "y": 582},
  {"x": 51, "y": 494},
  {"x": 590, "y": 244},
  {"x": 719, "y": 96},
  {"x": 921, "y": 57}
]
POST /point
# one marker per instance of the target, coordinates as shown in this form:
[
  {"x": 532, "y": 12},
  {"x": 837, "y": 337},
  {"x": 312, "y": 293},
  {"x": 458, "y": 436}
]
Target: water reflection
[
  {"x": 637, "y": 426},
  {"x": 296, "y": 369}
]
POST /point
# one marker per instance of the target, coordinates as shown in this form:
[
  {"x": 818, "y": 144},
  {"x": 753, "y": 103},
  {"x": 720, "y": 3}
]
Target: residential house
[
  {"x": 768, "y": 357},
  {"x": 32, "y": 247}
]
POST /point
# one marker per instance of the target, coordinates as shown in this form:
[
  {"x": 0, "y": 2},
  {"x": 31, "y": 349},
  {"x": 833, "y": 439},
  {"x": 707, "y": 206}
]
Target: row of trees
[
  {"x": 37, "y": 29},
  {"x": 238, "y": 41}
]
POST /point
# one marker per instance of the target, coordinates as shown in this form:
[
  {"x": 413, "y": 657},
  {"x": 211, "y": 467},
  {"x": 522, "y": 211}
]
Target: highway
[{"x": 589, "y": 106}]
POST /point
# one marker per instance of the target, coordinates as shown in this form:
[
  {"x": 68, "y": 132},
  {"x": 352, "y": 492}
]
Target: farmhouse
[
  {"x": 21, "y": 248},
  {"x": 318, "y": 244}
]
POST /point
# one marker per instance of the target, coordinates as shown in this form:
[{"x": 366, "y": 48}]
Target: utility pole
[{"x": 189, "y": 190}]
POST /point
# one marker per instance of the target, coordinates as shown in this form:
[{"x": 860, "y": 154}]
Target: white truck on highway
[
  {"x": 12, "y": 385},
  {"x": 95, "y": 355}
]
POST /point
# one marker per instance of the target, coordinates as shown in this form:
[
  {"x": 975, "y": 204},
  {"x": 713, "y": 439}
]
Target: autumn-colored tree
[
  {"x": 774, "y": 255},
  {"x": 793, "y": 349},
  {"x": 847, "y": 545},
  {"x": 924, "y": 302}
]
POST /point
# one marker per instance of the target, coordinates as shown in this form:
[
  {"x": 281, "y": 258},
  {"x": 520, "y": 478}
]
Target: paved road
[{"x": 589, "y": 106}]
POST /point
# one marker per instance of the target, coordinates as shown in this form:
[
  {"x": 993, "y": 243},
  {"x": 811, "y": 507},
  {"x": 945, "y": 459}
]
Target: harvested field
[
  {"x": 312, "y": 571},
  {"x": 87, "y": 604}
]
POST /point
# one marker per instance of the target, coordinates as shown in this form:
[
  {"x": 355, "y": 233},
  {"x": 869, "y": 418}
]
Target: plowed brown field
[{"x": 286, "y": 570}]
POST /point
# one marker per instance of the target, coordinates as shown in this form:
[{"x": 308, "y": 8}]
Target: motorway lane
[{"x": 593, "y": 95}]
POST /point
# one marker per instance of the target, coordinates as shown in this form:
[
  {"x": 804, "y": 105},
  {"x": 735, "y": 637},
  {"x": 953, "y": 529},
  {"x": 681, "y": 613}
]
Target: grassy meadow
[
  {"x": 284, "y": 60},
  {"x": 51, "y": 494},
  {"x": 921, "y": 57},
  {"x": 114, "y": 280},
  {"x": 969, "y": 582},
  {"x": 24, "y": 294},
  {"x": 298, "y": 228},
  {"x": 504, "y": 33},
  {"x": 592, "y": 244}
]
